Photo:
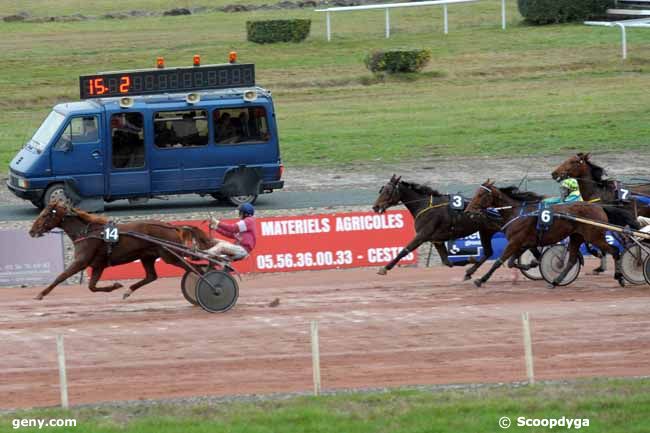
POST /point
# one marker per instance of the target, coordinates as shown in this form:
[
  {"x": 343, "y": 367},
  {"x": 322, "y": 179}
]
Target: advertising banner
[
  {"x": 296, "y": 243},
  {"x": 27, "y": 260}
]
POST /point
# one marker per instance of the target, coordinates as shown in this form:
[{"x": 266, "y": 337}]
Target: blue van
[{"x": 206, "y": 130}]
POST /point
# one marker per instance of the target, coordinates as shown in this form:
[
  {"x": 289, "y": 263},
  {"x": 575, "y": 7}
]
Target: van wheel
[
  {"x": 56, "y": 192},
  {"x": 241, "y": 199}
]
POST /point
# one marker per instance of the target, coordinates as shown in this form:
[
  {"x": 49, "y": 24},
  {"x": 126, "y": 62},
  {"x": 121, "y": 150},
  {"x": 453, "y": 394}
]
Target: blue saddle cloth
[{"x": 642, "y": 198}]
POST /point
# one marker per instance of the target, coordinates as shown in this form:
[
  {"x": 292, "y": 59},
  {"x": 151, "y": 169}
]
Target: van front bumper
[
  {"x": 27, "y": 194},
  {"x": 271, "y": 185}
]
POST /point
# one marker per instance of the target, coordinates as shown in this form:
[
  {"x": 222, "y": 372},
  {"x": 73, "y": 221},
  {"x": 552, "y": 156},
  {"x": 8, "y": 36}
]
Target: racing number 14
[{"x": 111, "y": 233}]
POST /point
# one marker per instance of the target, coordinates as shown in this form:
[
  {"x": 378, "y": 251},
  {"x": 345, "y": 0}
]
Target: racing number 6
[{"x": 546, "y": 216}]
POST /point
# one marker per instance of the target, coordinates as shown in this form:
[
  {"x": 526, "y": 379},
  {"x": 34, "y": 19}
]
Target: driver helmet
[
  {"x": 246, "y": 209},
  {"x": 570, "y": 183}
]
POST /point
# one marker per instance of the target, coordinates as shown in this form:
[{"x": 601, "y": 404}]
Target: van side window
[
  {"x": 183, "y": 128},
  {"x": 242, "y": 125},
  {"x": 79, "y": 130},
  {"x": 127, "y": 136}
]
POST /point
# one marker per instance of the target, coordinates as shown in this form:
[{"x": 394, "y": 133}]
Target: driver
[
  {"x": 644, "y": 222},
  {"x": 243, "y": 232},
  {"x": 569, "y": 192}
]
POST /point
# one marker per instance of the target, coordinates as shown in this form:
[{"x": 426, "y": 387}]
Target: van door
[
  {"x": 78, "y": 154},
  {"x": 128, "y": 173}
]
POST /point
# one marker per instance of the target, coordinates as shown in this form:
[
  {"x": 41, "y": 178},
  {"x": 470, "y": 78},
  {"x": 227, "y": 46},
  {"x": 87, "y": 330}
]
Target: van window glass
[
  {"x": 183, "y": 128},
  {"x": 241, "y": 125},
  {"x": 127, "y": 136},
  {"x": 79, "y": 130},
  {"x": 47, "y": 129}
]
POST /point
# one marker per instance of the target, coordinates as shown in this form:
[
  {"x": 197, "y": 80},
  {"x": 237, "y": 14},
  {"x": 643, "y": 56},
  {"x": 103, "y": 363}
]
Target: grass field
[
  {"x": 526, "y": 90},
  {"x": 610, "y": 406}
]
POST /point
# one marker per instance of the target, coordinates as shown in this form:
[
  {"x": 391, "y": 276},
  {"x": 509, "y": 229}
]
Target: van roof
[{"x": 92, "y": 106}]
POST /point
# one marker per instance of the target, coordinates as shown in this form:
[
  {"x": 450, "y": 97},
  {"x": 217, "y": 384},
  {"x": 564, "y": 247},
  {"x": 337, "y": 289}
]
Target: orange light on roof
[
  {"x": 197, "y": 60},
  {"x": 232, "y": 56},
  {"x": 160, "y": 62}
]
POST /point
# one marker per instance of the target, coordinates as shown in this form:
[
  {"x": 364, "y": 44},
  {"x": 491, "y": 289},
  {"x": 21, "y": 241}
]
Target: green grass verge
[
  {"x": 526, "y": 90},
  {"x": 610, "y": 405}
]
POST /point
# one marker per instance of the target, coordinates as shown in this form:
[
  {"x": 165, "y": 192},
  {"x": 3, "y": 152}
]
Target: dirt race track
[{"x": 414, "y": 326}]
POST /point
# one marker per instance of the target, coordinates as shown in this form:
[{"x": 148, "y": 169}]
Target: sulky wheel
[
  {"x": 646, "y": 269},
  {"x": 632, "y": 264},
  {"x": 188, "y": 287},
  {"x": 553, "y": 262},
  {"x": 525, "y": 260},
  {"x": 217, "y": 292}
]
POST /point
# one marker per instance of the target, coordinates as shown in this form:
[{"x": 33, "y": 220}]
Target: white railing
[
  {"x": 388, "y": 6},
  {"x": 642, "y": 23}
]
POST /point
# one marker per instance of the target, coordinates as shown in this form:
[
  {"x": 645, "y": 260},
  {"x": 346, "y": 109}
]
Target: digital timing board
[{"x": 166, "y": 80}]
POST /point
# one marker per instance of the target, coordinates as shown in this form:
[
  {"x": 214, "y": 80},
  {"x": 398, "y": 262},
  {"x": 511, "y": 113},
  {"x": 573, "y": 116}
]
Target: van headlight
[{"x": 23, "y": 183}]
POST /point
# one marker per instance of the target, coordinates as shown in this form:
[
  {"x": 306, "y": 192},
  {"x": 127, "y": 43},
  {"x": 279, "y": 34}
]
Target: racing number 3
[{"x": 457, "y": 202}]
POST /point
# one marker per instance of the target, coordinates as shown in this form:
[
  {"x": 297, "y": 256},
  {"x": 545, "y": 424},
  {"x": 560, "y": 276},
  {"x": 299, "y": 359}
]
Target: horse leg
[
  {"x": 76, "y": 266},
  {"x": 149, "y": 265},
  {"x": 574, "y": 246},
  {"x": 416, "y": 242},
  {"x": 94, "y": 277},
  {"x": 443, "y": 253},
  {"x": 607, "y": 248},
  {"x": 603, "y": 259},
  {"x": 510, "y": 249},
  {"x": 486, "y": 242}
]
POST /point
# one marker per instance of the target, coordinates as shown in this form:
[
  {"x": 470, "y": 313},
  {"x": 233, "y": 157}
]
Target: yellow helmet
[{"x": 571, "y": 184}]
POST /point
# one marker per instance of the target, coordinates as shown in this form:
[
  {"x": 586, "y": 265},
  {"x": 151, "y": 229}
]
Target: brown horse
[
  {"x": 85, "y": 231},
  {"x": 593, "y": 186},
  {"x": 434, "y": 221},
  {"x": 521, "y": 231}
]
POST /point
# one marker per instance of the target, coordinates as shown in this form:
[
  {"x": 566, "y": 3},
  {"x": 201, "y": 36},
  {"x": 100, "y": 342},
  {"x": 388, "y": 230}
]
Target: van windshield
[{"x": 47, "y": 129}]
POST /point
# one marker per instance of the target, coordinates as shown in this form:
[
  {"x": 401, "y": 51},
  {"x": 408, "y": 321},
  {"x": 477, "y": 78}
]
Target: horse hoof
[
  {"x": 382, "y": 271},
  {"x": 127, "y": 294},
  {"x": 478, "y": 283},
  {"x": 597, "y": 271},
  {"x": 551, "y": 285},
  {"x": 467, "y": 277},
  {"x": 39, "y": 297},
  {"x": 117, "y": 286}
]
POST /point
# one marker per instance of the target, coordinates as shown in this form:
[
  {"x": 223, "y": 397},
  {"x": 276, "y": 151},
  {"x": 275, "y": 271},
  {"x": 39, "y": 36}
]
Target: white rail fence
[
  {"x": 638, "y": 23},
  {"x": 388, "y": 6}
]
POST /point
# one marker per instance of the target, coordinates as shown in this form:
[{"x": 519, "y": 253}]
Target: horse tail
[
  {"x": 621, "y": 217},
  {"x": 191, "y": 234}
]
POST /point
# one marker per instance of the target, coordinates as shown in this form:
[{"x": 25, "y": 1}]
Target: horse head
[
  {"x": 485, "y": 197},
  {"x": 49, "y": 218},
  {"x": 388, "y": 195},
  {"x": 576, "y": 166}
]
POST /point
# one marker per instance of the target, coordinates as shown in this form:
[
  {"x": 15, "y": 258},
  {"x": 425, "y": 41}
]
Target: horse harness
[{"x": 108, "y": 233}]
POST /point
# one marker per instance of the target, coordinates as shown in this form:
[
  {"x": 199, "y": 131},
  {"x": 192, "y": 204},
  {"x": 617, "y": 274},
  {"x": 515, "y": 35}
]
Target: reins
[{"x": 430, "y": 206}]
